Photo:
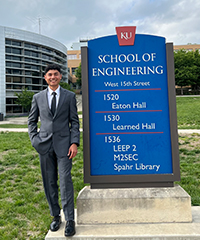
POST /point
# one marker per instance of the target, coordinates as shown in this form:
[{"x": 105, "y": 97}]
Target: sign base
[{"x": 133, "y": 205}]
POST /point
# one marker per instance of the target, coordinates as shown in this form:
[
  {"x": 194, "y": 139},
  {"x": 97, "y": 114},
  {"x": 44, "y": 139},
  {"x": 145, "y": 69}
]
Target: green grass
[
  {"x": 24, "y": 212},
  {"x": 188, "y": 112},
  {"x": 23, "y": 207},
  {"x": 8, "y": 125},
  {"x": 189, "y": 148}
]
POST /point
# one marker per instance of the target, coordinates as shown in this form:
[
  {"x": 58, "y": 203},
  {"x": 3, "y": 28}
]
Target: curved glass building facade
[{"x": 23, "y": 58}]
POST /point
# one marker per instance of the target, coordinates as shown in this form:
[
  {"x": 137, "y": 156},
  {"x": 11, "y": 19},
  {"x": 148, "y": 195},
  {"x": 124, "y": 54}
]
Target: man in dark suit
[{"x": 56, "y": 142}]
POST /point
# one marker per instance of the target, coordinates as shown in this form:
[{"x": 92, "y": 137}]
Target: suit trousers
[{"x": 51, "y": 165}]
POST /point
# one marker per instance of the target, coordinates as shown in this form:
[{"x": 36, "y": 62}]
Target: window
[
  {"x": 27, "y": 66},
  {"x": 72, "y": 56},
  {"x": 16, "y": 58},
  {"x": 29, "y": 87},
  {"x": 16, "y": 51},
  {"x": 8, "y": 109},
  {"x": 8, "y": 42},
  {"x": 17, "y": 87},
  {"x": 16, "y": 65},
  {"x": 73, "y": 71},
  {"x": 16, "y": 43},
  {"x": 36, "y": 88},
  {"x": 35, "y": 61},
  {"x": 8, "y": 50},
  {"x": 46, "y": 50},
  {"x": 27, "y": 72},
  {"x": 34, "y": 54},
  {"x": 34, "y": 47},
  {"x": 8, "y": 64},
  {"x": 17, "y": 80},
  {"x": 28, "y": 53},
  {"x": 28, "y": 80},
  {"x": 17, "y": 109},
  {"x": 35, "y": 67},
  {"x": 37, "y": 74},
  {"x": 30, "y": 60},
  {"x": 27, "y": 45},
  {"x": 45, "y": 57},
  {"x": 15, "y": 71},
  {"x": 44, "y": 82},
  {"x": 27, "y": 60},
  {"x": 9, "y": 101},
  {"x": 35, "y": 81},
  {"x": 8, "y": 79},
  {"x": 60, "y": 54},
  {"x": 13, "y": 50},
  {"x": 8, "y": 86},
  {"x": 8, "y": 71}
]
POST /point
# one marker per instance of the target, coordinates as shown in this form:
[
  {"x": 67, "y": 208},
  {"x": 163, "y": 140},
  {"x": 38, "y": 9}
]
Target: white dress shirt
[{"x": 50, "y": 96}]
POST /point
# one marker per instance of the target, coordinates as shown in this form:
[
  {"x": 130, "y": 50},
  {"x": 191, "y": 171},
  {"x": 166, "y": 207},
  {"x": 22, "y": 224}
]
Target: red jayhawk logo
[{"x": 126, "y": 35}]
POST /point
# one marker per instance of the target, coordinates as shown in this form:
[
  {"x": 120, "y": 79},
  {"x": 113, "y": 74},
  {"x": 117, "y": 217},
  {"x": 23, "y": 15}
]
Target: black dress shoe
[
  {"x": 70, "y": 228},
  {"x": 55, "y": 225}
]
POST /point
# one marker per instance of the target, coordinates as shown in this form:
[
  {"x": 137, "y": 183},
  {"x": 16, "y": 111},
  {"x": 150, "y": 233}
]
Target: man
[{"x": 56, "y": 143}]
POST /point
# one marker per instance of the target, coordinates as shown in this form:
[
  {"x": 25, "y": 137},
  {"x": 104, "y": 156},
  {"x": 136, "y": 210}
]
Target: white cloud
[{"x": 69, "y": 20}]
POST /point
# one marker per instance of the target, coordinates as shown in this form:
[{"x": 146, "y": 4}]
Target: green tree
[
  {"x": 187, "y": 69},
  {"x": 66, "y": 86},
  {"x": 25, "y": 99},
  {"x": 78, "y": 75}
]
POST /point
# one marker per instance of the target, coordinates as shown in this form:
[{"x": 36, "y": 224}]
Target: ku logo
[{"x": 126, "y": 35}]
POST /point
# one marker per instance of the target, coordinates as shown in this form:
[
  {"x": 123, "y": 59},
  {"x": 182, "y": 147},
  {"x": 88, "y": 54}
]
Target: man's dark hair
[{"x": 52, "y": 67}]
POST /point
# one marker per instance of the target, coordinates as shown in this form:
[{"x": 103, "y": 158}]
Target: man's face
[{"x": 53, "y": 78}]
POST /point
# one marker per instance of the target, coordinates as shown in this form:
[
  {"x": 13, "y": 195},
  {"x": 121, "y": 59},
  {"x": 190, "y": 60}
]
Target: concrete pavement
[
  {"x": 150, "y": 231},
  {"x": 19, "y": 121},
  {"x": 23, "y": 120}
]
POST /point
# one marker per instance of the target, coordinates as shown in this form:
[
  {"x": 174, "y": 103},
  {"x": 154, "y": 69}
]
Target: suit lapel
[
  {"x": 61, "y": 100},
  {"x": 46, "y": 100}
]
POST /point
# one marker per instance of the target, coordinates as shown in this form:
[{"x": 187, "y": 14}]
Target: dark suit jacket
[{"x": 61, "y": 130}]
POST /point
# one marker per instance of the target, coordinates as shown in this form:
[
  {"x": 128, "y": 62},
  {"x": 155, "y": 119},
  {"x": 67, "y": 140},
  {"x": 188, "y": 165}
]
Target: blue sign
[{"x": 128, "y": 107}]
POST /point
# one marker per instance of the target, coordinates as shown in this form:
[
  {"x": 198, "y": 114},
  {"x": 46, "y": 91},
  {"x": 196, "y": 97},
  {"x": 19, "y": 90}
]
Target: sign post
[{"x": 129, "y": 111}]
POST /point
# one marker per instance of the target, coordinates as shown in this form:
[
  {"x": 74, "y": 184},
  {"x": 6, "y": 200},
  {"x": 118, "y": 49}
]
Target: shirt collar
[{"x": 57, "y": 90}]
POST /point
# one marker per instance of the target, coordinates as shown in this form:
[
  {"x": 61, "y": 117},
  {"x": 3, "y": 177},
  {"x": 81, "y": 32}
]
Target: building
[
  {"x": 188, "y": 47},
  {"x": 23, "y": 58},
  {"x": 74, "y": 60}
]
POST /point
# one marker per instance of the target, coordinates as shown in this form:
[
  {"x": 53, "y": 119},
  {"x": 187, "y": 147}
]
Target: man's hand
[{"x": 72, "y": 151}]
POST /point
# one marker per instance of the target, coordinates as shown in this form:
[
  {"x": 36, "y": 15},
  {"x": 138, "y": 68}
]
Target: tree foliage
[
  {"x": 66, "y": 86},
  {"x": 78, "y": 75},
  {"x": 25, "y": 99},
  {"x": 187, "y": 68}
]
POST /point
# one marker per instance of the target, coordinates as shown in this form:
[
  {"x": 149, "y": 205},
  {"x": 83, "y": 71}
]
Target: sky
[{"x": 68, "y": 21}]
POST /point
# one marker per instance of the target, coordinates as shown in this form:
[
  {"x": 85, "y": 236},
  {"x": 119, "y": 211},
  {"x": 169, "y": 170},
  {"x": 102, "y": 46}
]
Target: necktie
[{"x": 53, "y": 103}]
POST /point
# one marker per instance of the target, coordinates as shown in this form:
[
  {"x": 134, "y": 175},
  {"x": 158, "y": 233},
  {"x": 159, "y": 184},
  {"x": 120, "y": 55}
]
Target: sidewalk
[
  {"x": 19, "y": 121},
  {"x": 24, "y": 121}
]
